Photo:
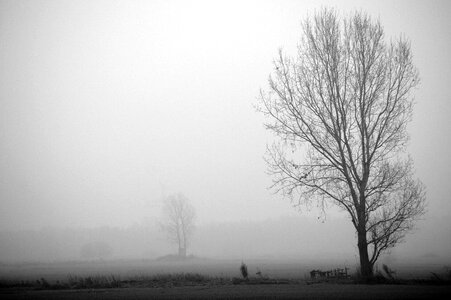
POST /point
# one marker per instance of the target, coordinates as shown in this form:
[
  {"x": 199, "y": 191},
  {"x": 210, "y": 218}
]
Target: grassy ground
[
  {"x": 126, "y": 268},
  {"x": 203, "y": 279},
  {"x": 291, "y": 291},
  {"x": 294, "y": 269}
]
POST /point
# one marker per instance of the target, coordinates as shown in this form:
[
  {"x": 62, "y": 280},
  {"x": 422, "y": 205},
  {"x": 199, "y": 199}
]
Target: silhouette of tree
[
  {"x": 345, "y": 99},
  {"x": 179, "y": 223}
]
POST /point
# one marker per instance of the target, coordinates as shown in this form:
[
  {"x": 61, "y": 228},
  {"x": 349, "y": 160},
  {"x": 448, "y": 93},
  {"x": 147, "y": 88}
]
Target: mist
[{"x": 108, "y": 107}]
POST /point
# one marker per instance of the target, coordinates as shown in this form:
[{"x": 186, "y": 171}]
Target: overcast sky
[{"x": 106, "y": 106}]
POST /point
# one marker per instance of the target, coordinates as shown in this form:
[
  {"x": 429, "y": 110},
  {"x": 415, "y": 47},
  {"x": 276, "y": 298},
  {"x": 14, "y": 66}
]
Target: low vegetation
[
  {"x": 243, "y": 270},
  {"x": 384, "y": 276},
  {"x": 388, "y": 276},
  {"x": 111, "y": 281}
]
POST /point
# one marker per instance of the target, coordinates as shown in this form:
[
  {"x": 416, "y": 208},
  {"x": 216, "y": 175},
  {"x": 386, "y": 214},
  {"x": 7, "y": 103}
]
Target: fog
[
  {"x": 304, "y": 240},
  {"x": 107, "y": 107}
]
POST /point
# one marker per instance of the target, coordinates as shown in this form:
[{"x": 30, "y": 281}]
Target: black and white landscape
[{"x": 225, "y": 149}]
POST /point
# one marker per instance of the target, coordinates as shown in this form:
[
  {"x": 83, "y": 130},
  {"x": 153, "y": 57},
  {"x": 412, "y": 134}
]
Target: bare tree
[
  {"x": 179, "y": 223},
  {"x": 345, "y": 98}
]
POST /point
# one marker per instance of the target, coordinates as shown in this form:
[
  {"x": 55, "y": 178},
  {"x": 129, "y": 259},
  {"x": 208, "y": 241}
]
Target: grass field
[
  {"x": 291, "y": 291},
  {"x": 129, "y": 268},
  {"x": 198, "y": 278},
  {"x": 294, "y": 269}
]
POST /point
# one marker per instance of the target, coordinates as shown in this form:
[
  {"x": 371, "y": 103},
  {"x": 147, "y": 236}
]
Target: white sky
[{"x": 107, "y": 105}]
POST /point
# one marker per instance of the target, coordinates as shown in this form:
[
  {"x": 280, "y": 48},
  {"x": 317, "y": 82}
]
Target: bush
[
  {"x": 93, "y": 282},
  {"x": 243, "y": 269},
  {"x": 389, "y": 272}
]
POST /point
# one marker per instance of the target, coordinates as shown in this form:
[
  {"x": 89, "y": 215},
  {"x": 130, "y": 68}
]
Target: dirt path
[{"x": 292, "y": 291}]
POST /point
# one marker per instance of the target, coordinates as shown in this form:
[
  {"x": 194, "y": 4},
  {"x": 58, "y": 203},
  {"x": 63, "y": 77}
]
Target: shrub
[
  {"x": 243, "y": 269},
  {"x": 389, "y": 272}
]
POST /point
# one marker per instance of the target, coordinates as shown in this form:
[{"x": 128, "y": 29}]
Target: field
[
  {"x": 299, "y": 291},
  {"x": 198, "y": 278}
]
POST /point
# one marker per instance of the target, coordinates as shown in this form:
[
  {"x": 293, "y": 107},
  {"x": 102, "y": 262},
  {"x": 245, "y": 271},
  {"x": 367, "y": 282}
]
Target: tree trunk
[{"x": 366, "y": 268}]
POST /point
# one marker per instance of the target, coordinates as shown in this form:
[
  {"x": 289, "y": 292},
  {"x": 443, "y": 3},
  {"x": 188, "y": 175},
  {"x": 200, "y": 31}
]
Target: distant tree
[
  {"x": 96, "y": 250},
  {"x": 179, "y": 221},
  {"x": 345, "y": 98}
]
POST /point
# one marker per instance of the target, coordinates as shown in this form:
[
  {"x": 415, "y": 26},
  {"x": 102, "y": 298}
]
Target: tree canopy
[{"x": 340, "y": 108}]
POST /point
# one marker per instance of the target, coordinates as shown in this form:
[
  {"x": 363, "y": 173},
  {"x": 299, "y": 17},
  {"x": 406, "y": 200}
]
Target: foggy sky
[{"x": 107, "y": 106}]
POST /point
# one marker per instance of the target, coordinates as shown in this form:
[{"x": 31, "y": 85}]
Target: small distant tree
[
  {"x": 345, "y": 98},
  {"x": 179, "y": 221}
]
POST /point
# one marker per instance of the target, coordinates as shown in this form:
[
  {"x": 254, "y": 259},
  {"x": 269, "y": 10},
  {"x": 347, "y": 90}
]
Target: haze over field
[{"x": 106, "y": 107}]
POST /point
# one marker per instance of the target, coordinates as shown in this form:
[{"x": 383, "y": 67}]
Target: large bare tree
[
  {"x": 341, "y": 106},
  {"x": 179, "y": 221}
]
